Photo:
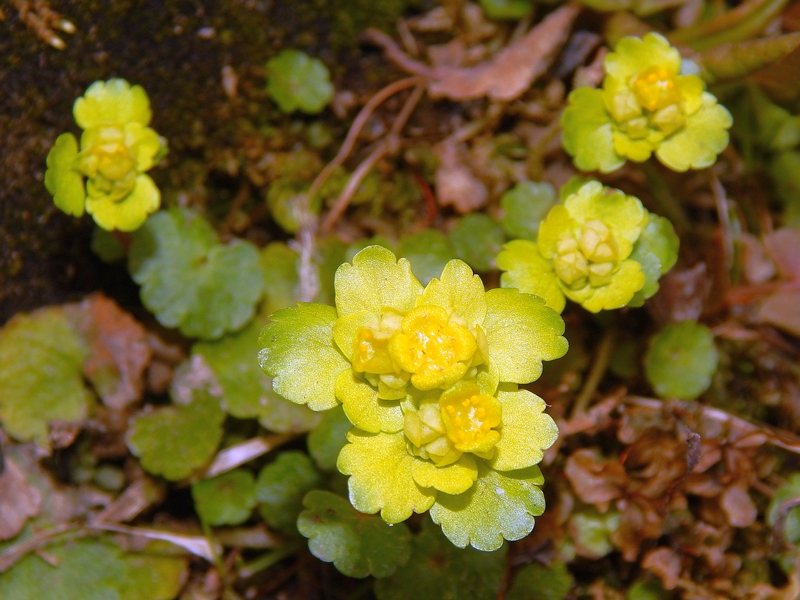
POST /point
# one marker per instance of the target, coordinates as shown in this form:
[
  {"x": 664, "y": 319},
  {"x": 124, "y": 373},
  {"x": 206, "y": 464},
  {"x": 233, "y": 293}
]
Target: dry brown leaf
[
  {"x": 738, "y": 507},
  {"x": 594, "y": 480},
  {"x": 456, "y": 184},
  {"x": 664, "y": 563},
  {"x": 781, "y": 310},
  {"x": 19, "y": 500},
  {"x": 119, "y": 350},
  {"x": 783, "y": 246},
  {"x": 503, "y": 78}
]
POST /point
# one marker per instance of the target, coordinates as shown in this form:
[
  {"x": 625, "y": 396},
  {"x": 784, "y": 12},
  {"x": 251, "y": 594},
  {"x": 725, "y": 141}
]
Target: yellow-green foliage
[
  {"x": 646, "y": 105},
  {"x": 116, "y": 149},
  {"x": 428, "y": 377}
]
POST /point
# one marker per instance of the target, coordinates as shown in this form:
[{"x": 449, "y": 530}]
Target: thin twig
[
  {"x": 386, "y": 146},
  {"x": 355, "y": 129}
]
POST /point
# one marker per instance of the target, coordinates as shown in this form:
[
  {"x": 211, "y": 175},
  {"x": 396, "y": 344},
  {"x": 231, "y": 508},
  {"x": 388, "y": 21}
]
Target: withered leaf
[
  {"x": 18, "y": 500},
  {"x": 594, "y": 480},
  {"x": 119, "y": 352},
  {"x": 503, "y": 78}
]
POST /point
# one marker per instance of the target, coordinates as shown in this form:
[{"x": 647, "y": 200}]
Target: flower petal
[
  {"x": 526, "y": 270},
  {"x": 380, "y": 476},
  {"x": 363, "y": 407},
  {"x": 374, "y": 280},
  {"x": 526, "y": 432},
  {"x": 452, "y": 479},
  {"x": 521, "y": 332}
]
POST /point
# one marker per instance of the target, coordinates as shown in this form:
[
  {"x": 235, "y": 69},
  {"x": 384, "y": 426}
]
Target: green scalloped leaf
[
  {"x": 587, "y": 133},
  {"x": 381, "y": 478},
  {"x": 499, "y": 506},
  {"x": 358, "y": 545},
  {"x": 681, "y": 360},
  {"x": 657, "y": 251},
  {"x": 62, "y": 179},
  {"x": 328, "y": 438},
  {"x": 191, "y": 281},
  {"x": 299, "y": 352},
  {"x": 791, "y": 524},
  {"x": 506, "y": 10},
  {"x": 94, "y": 570},
  {"x": 477, "y": 238},
  {"x": 525, "y": 269},
  {"x": 279, "y": 267},
  {"x": 246, "y": 389},
  {"x": 437, "y": 569},
  {"x": 520, "y": 325},
  {"x": 428, "y": 252},
  {"x": 281, "y": 486},
  {"x": 41, "y": 365},
  {"x": 174, "y": 441},
  {"x": 525, "y": 206},
  {"x": 296, "y": 81},
  {"x": 227, "y": 499},
  {"x": 540, "y": 582}
]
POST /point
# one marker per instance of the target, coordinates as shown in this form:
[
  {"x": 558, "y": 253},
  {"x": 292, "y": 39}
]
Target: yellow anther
[
  {"x": 436, "y": 349},
  {"x": 470, "y": 425},
  {"x": 655, "y": 88}
]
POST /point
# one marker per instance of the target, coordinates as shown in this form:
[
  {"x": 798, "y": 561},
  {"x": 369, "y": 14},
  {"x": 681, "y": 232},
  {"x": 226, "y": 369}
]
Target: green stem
[
  {"x": 268, "y": 559},
  {"x": 666, "y": 201},
  {"x": 601, "y": 359}
]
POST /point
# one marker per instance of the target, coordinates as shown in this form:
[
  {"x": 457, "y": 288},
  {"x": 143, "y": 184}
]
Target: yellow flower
[
  {"x": 647, "y": 105},
  {"x": 116, "y": 149}
]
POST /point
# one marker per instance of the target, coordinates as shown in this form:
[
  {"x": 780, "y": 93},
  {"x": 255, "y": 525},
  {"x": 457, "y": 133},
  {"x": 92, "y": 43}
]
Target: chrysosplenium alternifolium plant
[
  {"x": 646, "y": 105},
  {"x": 429, "y": 379},
  {"x": 599, "y": 247},
  {"x": 116, "y": 149}
]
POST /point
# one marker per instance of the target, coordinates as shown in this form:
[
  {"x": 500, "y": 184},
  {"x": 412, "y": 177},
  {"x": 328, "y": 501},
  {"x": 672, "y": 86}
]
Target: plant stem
[{"x": 601, "y": 359}]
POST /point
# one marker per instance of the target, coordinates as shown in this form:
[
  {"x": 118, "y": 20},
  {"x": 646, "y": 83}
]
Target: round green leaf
[
  {"x": 358, "y": 545},
  {"x": 524, "y": 207},
  {"x": 540, "y": 582},
  {"x": 281, "y": 486},
  {"x": 297, "y": 81},
  {"x": 227, "y": 499},
  {"x": 477, "y": 238},
  {"x": 189, "y": 280},
  {"x": 428, "y": 251},
  {"x": 41, "y": 360},
  {"x": 328, "y": 438},
  {"x": 175, "y": 440},
  {"x": 246, "y": 389},
  {"x": 681, "y": 360},
  {"x": 437, "y": 569}
]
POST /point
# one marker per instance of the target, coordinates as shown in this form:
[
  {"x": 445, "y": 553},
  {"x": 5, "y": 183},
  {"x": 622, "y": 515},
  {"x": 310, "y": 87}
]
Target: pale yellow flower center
[
  {"x": 589, "y": 256},
  {"x": 109, "y": 164},
  {"x": 434, "y": 346},
  {"x": 470, "y": 420}
]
